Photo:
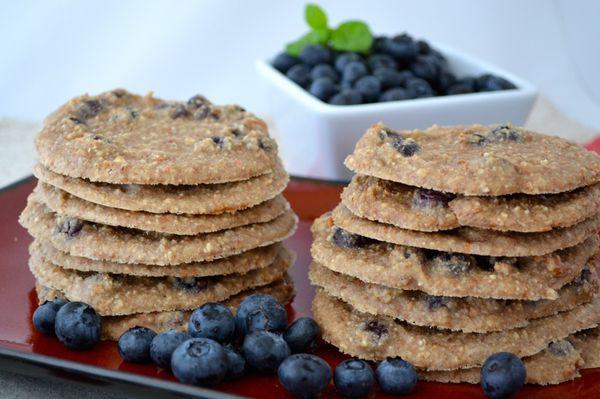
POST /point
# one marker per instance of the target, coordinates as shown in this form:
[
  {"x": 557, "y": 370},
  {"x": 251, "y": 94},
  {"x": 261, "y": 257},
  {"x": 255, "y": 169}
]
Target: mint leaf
[
  {"x": 317, "y": 36},
  {"x": 315, "y": 17},
  {"x": 352, "y": 36}
]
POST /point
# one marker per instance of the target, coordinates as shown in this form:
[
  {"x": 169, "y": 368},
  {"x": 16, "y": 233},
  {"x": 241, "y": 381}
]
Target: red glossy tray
[{"x": 24, "y": 350}]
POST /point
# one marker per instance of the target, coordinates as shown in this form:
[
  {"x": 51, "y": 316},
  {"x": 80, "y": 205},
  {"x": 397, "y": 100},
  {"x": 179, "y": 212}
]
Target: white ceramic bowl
[{"x": 315, "y": 137}]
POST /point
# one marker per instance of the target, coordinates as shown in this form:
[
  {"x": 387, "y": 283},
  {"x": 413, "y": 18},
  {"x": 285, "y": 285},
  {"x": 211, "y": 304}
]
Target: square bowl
[{"x": 315, "y": 137}]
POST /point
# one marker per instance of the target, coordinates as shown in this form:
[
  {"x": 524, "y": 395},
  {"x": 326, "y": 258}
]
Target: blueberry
[
  {"x": 423, "y": 47},
  {"x": 395, "y": 94},
  {"x": 264, "y": 351},
  {"x": 396, "y": 376},
  {"x": 212, "y": 320},
  {"x": 346, "y": 97},
  {"x": 502, "y": 375},
  {"x": 345, "y": 239},
  {"x": 444, "y": 81},
  {"x": 304, "y": 375},
  {"x": 381, "y": 61},
  {"x": 462, "y": 86},
  {"x": 353, "y": 71},
  {"x": 283, "y": 62},
  {"x": 199, "y": 361},
  {"x": 401, "y": 47},
  {"x": 236, "y": 363},
  {"x": 369, "y": 87},
  {"x": 426, "y": 67},
  {"x": 323, "y": 88},
  {"x": 164, "y": 344},
  {"x": 299, "y": 74},
  {"x": 261, "y": 312},
  {"x": 353, "y": 378},
  {"x": 324, "y": 71},
  {"x": 45, "y": 316},
  {"x": 314, "y": 54},
  {"x": 302, "y": 334},
  {"x": 489, "y": 82},
  {"x": 134, "y": 344},
  {"x": 389, "y": 77},
  {"x": 78, "y": 326},
  {"x": 418, "y": 88},
  {"x": 344, "y": 59}
]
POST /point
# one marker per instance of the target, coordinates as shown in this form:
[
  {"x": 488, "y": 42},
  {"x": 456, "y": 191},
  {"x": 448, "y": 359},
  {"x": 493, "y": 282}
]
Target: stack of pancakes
[
  {"x": 146, "y": 209},
  {"x": 455, "y": 243}
]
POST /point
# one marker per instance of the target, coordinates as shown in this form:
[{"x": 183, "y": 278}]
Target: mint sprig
[{"x": 348, "y": 36}]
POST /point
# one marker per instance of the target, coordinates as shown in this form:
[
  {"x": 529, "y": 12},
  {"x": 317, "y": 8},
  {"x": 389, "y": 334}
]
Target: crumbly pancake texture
[
  {"x": 588, "y": 342},
  {"x": 196, "y": 199},
  {"x": 475, "y": 160},
  {"x": 119, "y": 137},
  {"x": 66, "y": 204},
  {"x": 100, "y": 242},
  {"x": 420, "y": 209},
  {"x": 445, "y": 274}
]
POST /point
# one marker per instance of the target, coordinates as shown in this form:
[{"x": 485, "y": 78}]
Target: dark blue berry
[
  {"x": 444, "y": 81},
  {"x": 344, "y": 59},
  {"x": 344, "y": 239},
  {"x": 134, "y": 344},
  {"x": 369, "y": 87},
  {"x": 396, "y": 376},
  {"x": 304, "y": 375},
  {"x": 302, "y": 334},
  {"x": 389, "y": 77},
  {"x": 381, "y": 61},
  {"x": 199, "y": 361},
  {"x": 426, "y": 67},
  {"x": 283, "y": 62},
  {"x": 423, "y": 47},
  {"x": 323, "y": 88},
  {"x": 346, "y": 97},
  {"x": 401, "y": 47},
  {"x": 261, "y": 312},
  {"x": 78, "y": 326},
  {"x": 353, "y": 71},
  {"x": 299, "y": 74},
  {"x": 324, "y": 71},
  {"x": 212, "y": 320},
  {"x": 236, "y": 363},
  {"x": 163, "y": 346},
  {"x": 418, "y": 88},
  {"x": 394, "y": 94},
  {"x": 502, "y": 375},
  {"x": 60, "y": 302},
  {"x": 45, "y": 316},
  {"x": 489, "y": 82},
  {"x": 264, "y": 351},
  {"x": 462, "y": 86},
  {"x": 314, "y": 54},
  {"x": 353, "y": 378}
]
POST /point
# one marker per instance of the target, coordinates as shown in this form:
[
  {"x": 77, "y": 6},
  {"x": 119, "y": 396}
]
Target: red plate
[{"x": 24, "y": 350}]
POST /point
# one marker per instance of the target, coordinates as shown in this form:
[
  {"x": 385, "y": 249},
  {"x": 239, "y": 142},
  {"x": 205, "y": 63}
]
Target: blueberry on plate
[
  {"x": 418, "y": 88},
  {"x": 426, "y": 67},
  {"x": 283, "y": 62},
  {"x": 236, "y": 363},
  {"x": 302, "y": 334},
  {"x": 490, "y": 82},
  {"x": 304, "y": 375},
  {"x": 423, "y": 47},
  {"x": 381, "y": 61},
  {"x": 324, "y": 71},
  {"x": 323, "y": 88},
  {"x": 264, "y": 351},
  {"x": 261, "y": 312},
  {"x": 389, "y": 77},
  {"x": 401, "y": 47},
  {"x": 200, "y": 361},
  {"x": 212, "y": 320},
  {"x": 78, "y": 326},
  {"x": 344, "y": 59},
  {"x": 134, "y": 344},
  {"x": 394, "y": 94},
  {"x": 396, "y": 376},
  {"x": 45, "y": 316},
  {"x": 164, "y": 344},
  {"x": 353, "y": 71},
  {"x": 502, "y": 375},
  {"x": 462, "y": 86},
  {"x": 314, "y": 54},
  {"x": 346, "y": 97},
  {"x": 353, "y": 378},
  {"x": 299, "y": 74},
  {"x": 444, "y": 81},
  {"x": 369, "y": 87}
]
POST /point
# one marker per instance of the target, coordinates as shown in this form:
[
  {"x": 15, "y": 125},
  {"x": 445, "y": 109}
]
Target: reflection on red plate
[{"x": 309, "y": 199}]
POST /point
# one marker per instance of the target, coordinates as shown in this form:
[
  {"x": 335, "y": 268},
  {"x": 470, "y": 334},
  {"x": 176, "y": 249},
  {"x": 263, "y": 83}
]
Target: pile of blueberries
[
  {"x": 396, "y": 68},
  {"x": 219, "y": 346}
]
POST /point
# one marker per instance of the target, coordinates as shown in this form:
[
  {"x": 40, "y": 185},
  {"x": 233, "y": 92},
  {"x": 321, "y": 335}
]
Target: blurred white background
[{"x": 53, "y": 50}]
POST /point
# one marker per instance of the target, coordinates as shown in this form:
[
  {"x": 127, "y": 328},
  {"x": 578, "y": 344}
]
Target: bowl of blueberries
[{"x": 329, "y": 86}]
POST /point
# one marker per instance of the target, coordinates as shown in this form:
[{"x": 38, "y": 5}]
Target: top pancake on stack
[
  {"x": 146, "y": 208},
  {"x": 486, "y": 233}
]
